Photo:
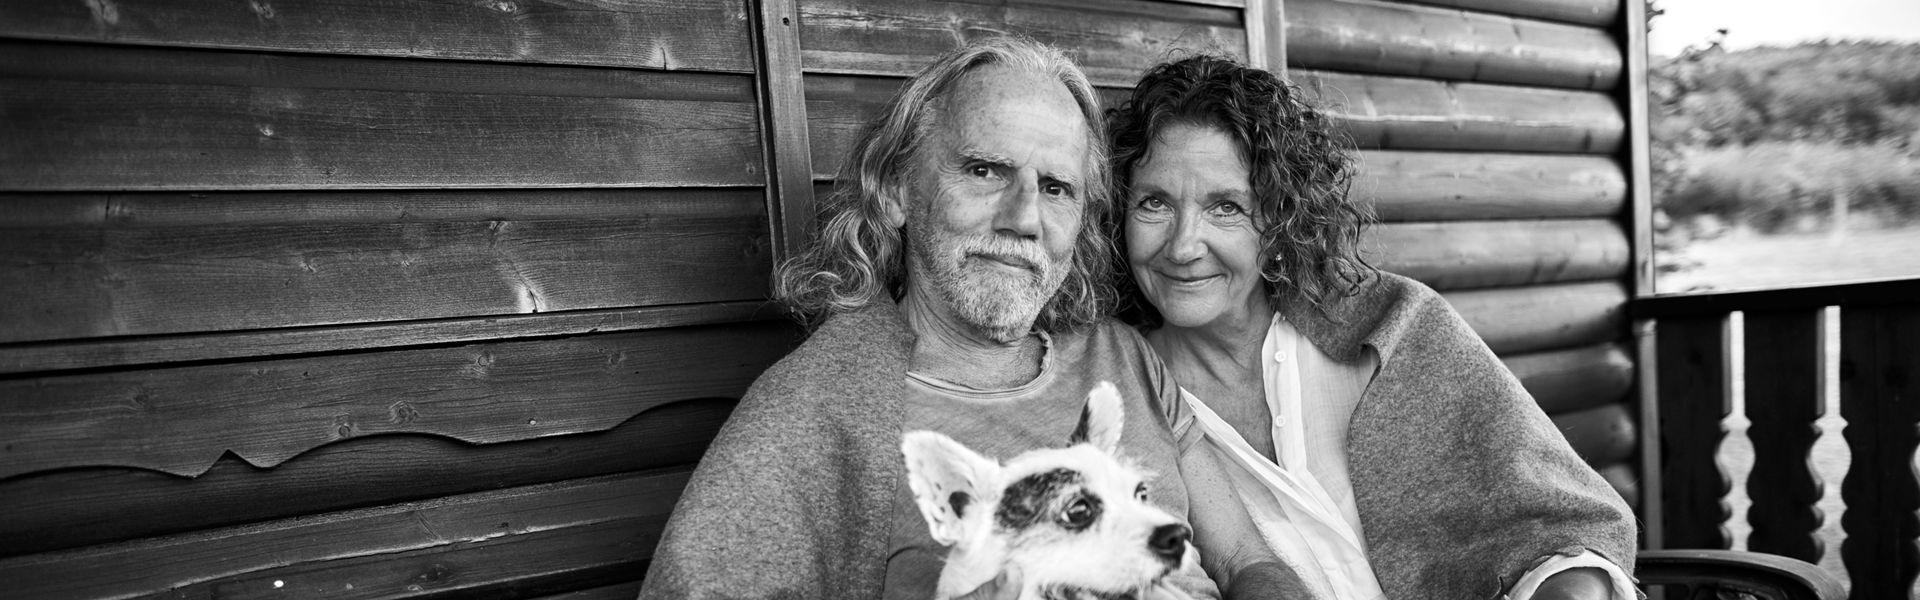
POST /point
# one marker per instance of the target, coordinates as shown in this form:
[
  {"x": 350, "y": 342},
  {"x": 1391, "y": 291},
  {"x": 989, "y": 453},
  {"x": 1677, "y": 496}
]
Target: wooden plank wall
[
  {"x": 1491, "y": 139},
  {"x": 371, "y": 298},
  {"x": 382, "y": 298}
]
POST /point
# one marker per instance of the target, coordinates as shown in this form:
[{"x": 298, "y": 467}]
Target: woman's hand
[{"x": 1586, "y": 583}]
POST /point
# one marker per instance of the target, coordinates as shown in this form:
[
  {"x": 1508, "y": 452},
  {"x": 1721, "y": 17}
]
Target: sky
[{"x": 1781, "y": 22}]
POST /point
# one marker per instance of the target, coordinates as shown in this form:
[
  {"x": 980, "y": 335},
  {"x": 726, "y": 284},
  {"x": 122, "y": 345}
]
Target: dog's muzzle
[{"x": 1169, "y": 542}]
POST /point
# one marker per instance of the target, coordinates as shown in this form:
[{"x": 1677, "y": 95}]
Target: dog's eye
[
  {"x": 1079, "y": 513},
  {"x": 1140, "y": 492}
]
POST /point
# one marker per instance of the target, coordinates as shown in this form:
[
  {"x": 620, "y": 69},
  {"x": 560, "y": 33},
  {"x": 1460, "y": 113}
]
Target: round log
[
  {"x": 1574, "y": 379},
  {"x": 1476, "y": 254},
  {"x": 1451, "y": 186},
  {"x": 1441, "y": 43},
  {"x": 1624, "y": 480},
  {"x": 1544, "y": 317},
  {"x": 1603, "y": 435},
  {"x": 1423, "y": 114},
  {"x": 1596, "y": 13}
]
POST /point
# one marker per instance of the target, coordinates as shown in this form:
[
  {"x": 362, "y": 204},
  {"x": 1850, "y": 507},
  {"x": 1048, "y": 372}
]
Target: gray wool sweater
[
  {"x": 1462, "y": 482},
  {"x": 795, "y": 497}
]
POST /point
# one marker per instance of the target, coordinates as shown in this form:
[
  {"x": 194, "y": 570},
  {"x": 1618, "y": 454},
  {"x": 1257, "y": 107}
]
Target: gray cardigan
[{"x": 1462, "y": 482}]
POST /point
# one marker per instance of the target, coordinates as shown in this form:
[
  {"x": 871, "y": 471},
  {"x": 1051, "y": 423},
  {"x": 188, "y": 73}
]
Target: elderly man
[{"x": 959, "y": 285}]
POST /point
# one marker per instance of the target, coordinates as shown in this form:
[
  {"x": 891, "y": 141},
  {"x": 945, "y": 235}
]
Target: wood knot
[{"x": 402, "y": 413}]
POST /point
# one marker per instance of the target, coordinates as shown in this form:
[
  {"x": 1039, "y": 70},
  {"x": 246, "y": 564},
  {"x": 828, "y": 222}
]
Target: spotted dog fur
[{"x": 1074, "y": 521}]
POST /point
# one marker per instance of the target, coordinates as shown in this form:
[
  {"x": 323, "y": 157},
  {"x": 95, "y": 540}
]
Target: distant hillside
[
  {"x": 1788, "y": 138},
  {"x": 1846, "y": 92}
]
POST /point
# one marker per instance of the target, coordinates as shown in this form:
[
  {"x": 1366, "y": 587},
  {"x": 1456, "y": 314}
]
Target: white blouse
[{"x": 1308, "y": 515}]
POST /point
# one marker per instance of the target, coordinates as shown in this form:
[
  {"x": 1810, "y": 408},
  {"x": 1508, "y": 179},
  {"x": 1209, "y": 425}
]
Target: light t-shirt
[{"x": 1001, "y": 424}]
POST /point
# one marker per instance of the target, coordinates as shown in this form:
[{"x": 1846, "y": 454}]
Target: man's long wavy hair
[
  {"x": 857, "y": 257},
  {"x": 1300, "y": 161}
]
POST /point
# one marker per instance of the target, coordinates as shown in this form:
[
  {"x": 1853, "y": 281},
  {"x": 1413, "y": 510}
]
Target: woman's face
[{"x": 1191, "y": 239}]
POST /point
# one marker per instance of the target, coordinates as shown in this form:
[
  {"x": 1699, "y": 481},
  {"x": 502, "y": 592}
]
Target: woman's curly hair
[
  {"x": 1301, "y": 162},
  {"x": 857, "y": 257}
]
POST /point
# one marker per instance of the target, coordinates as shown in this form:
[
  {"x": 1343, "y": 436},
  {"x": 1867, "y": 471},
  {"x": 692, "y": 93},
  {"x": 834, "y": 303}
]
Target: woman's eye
[
  {"x": 1228, "y": 209},
  {"x": 1151, "y": 203}
]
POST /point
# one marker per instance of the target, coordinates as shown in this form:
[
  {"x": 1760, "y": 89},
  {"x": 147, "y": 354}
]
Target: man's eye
[
  {"x": 1055, "y": 189},
  {"x": 1140, "y": 493},
  {"x": 981, "y": 171}
]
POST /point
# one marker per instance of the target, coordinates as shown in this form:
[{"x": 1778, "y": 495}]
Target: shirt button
[
  {"x": 1279, "y": 421},
  {"x": 1279, "y": 357}
]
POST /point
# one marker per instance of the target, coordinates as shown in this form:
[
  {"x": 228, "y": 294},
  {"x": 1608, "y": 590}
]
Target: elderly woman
[{"x": 1381, "y": 447}]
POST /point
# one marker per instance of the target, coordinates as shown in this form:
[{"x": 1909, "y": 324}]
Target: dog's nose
[{"x": 1169, "y": 541}]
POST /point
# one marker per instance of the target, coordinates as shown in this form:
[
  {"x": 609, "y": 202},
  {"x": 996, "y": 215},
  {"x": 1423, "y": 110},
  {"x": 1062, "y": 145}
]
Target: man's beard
[{"x": 1001, "y": 304}]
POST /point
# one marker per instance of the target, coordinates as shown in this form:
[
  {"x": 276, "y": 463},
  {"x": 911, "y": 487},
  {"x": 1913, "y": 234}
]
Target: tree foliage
[{"x": 1770, "y": 137}]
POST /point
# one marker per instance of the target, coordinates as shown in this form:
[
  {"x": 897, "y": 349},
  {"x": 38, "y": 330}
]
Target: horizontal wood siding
[
  {"x": 112, "y": 118},
  {"x": 649, "y": 34},
  {"x": 517, "y": 541},
  {"x": 78, "y": 507},
  {"x": 1492, "y": 142},
  {"x": 372, "y": 298},
  {"x": 478, "y": 393},
  {"x": 176, "y": 263}
]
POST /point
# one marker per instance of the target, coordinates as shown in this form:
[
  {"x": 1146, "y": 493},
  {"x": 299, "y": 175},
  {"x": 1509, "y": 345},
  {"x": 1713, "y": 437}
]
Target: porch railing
[{"x": 1684, "y": 343}]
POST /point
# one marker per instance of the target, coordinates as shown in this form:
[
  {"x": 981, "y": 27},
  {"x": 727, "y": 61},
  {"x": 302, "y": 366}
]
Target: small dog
[{"x": 1075, "y": 521}]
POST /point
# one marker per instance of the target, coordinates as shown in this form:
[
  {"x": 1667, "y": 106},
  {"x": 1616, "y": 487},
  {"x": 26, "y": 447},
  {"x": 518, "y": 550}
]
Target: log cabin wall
[
  {"x": 1491, "y": 136},
  {"x": 381, "y": 298}
]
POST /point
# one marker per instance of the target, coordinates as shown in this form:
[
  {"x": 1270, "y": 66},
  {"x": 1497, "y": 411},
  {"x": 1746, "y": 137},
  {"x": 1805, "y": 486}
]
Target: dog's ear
[
  {"x": 1100, "y": 422},
  {"x": 947, "y": 480}
]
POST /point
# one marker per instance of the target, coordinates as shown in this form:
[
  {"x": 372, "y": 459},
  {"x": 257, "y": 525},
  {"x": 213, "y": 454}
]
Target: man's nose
[{"x": 1019, "y": 211}]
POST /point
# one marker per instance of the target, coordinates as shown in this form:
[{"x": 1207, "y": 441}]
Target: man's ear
[
  {"x": 1100, "y": 422},
  {"x": 947, "y": 480},
  {"x": 894, "y": 209}
]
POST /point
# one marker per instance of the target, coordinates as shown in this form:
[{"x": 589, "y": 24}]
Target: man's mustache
[{"x": 1027, "y": 255}]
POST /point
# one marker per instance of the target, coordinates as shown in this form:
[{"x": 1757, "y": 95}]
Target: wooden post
[
  {"x": 1880, "y": 399},
  {"x": 783, "y": 126},
  {"x": 1692, "y": 377},
  {"x": 1267, "y": 35},
  {"x": 1639, "y": 143},
  {"x": 1783, "y": 401}
]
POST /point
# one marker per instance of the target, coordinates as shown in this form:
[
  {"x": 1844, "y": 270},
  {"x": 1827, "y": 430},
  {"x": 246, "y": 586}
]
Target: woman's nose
[{"x": 1186, "y": 244}]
